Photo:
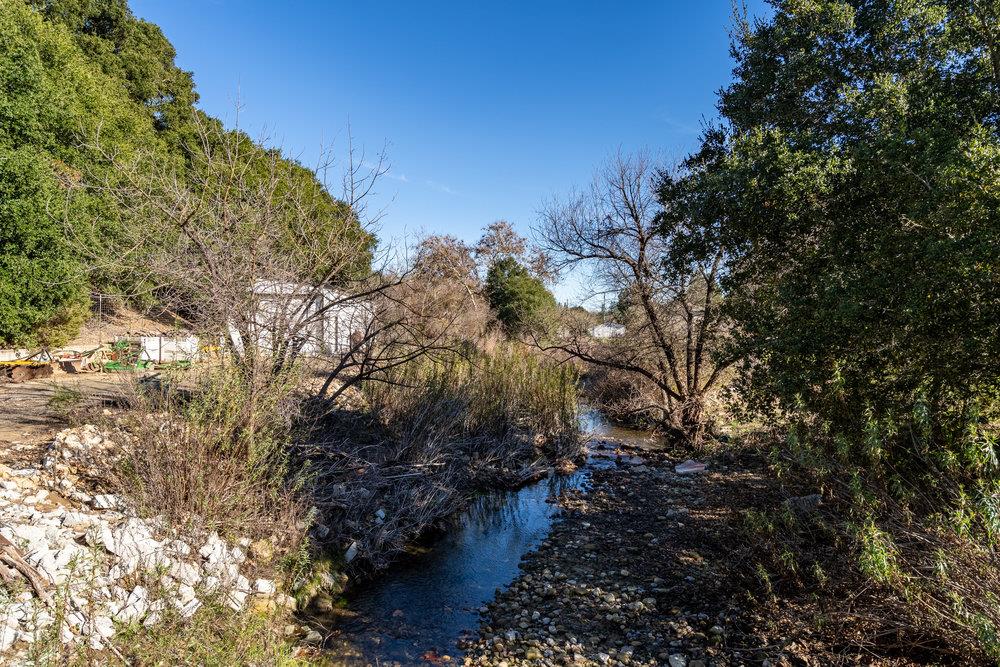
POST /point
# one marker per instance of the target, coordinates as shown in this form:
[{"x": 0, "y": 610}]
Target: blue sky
[{"x": 488, "y": 109}]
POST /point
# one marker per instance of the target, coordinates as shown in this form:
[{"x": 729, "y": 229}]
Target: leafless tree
[
  {"x": 671, "y": 313},
  {"x": 446, "y": 290},
  {"x": 252, "y": 248},
  {"x": 500, "y": 241}
]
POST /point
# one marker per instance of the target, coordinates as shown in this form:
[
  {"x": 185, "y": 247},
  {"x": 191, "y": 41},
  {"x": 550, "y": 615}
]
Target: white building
[
  {"x": 320, "y": 319},
  {"x": 167, "y": 349},
  {"x": 608, "y": 330}
]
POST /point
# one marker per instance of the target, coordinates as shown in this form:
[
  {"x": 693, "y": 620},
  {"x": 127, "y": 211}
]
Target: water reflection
[{"x": 424, "y": 604}]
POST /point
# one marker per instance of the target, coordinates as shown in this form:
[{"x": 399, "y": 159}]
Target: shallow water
[{"x": 426, "y": 603}]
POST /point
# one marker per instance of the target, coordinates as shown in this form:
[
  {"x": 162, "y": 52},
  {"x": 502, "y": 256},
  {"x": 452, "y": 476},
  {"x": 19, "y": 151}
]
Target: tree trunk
[
  {"x": 693, "y": 420},
  {"x": 686, "y": 421}
]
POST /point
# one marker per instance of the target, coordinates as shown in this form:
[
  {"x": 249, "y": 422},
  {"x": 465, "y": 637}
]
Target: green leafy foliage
[
  {"x": 52, "y": 95},
  {"x": 76, "y": 73},
  {"x": 519, "y": 300},
  {"x": 856, "y": 185},
  {"x": 41, "y": 299}
]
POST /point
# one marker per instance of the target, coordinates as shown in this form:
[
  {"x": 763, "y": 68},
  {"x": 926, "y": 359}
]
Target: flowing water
[{"x": 426, "y": 603}]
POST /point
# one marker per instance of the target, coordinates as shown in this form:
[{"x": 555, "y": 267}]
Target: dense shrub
[
  {"x": 855, "y": 182},
  {"x": 519, "y": 299}
]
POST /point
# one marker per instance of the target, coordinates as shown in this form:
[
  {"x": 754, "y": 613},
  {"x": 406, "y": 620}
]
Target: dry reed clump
[{"x": 435, "y": 431}]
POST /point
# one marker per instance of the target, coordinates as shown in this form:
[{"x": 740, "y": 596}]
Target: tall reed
[
  {"x": 501, "y": 394},
  {"x": 433, "y": 434}
]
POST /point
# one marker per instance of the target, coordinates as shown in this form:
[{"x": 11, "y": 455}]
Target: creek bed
[{"x": 421, "y": 608}]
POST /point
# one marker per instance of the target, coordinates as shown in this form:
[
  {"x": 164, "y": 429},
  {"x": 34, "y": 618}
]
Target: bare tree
[
  {"x": 251, "y": 247},
  {"x": 446, "y": 290},
  {"x": 500, "y": 241},
  {"x": 670, "y": 309}
]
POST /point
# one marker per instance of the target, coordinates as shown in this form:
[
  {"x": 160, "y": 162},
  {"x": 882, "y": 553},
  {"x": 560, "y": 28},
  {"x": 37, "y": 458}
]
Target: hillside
[{"x": 86, "y": 81}]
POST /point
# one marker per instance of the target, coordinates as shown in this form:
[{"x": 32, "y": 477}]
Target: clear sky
[{"x": 488, "y": 108}]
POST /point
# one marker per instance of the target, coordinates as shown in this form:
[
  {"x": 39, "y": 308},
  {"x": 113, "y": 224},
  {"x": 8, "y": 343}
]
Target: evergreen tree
[{"x": 519, "y": 300}]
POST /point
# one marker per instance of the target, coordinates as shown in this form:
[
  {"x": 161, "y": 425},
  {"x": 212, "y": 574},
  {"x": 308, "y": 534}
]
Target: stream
[{"x": 423, "y": 606}]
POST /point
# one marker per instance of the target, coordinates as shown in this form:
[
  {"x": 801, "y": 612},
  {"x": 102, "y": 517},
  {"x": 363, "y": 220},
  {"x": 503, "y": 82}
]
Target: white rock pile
[{"x": 105, "y": 566}]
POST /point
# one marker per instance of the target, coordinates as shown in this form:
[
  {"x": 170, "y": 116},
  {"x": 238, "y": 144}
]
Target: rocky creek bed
[
  {"x": 646, "y": 566},
  {"x": 628, "y": 576},
  {"x": 634, "y": 568}
]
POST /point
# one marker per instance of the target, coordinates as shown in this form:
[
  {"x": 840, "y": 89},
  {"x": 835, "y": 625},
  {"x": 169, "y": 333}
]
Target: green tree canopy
[
  {"x": 82, "y": 73},
  {"x": 52, "y": 96},
  {"x": 856, "y": 187},
  {"x": 519, "y": 300},
  {"x": 42, "y": 295}
]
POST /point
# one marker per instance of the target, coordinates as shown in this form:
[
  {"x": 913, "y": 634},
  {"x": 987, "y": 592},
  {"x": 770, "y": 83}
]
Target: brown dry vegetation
[{"x": 430, "y": 434}]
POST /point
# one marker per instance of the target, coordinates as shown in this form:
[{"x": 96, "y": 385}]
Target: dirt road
[{"x": 28, "y": 415}]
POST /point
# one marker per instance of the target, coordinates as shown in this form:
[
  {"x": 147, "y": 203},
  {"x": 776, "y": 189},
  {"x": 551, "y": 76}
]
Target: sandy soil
[{"x": 26, "y": 412}]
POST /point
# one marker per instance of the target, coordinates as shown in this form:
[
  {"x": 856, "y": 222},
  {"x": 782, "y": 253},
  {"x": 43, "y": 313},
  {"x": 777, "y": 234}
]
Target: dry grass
[
  {"x": 207, "y": 452},
  {"x": 432, "y": 434},
  {"x": 214, "y": 636},
  {"x": 208, "y": 456}
]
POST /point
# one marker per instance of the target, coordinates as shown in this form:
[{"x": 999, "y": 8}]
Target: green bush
[
  {"x": 855, "y": 183},
  {"x": 519, "y": 300}
]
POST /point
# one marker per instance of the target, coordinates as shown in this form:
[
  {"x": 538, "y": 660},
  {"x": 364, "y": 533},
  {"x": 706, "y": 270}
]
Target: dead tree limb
[{"x": 10, "y": 556}]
